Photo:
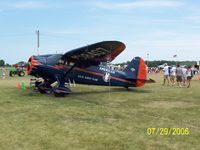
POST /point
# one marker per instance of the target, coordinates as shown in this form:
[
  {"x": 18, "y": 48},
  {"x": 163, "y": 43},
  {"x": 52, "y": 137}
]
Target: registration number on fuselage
[{"x": 87, "y": 78}]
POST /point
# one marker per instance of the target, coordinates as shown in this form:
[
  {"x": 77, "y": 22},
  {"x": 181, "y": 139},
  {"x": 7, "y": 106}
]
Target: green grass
[{"x": 92, "y": 118}]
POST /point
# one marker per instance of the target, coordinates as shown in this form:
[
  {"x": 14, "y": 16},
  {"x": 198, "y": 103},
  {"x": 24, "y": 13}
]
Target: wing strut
[{"x": 68, "y": 71}]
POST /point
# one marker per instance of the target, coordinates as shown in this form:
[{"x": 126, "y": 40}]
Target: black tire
[
  {"x": 12, "y": 74},
  {"x": 21, "y": 73},
  {"x": 59, "y": 94},
  {"x": 37, "y": 83},
  {"x": 42, "y": 91}
]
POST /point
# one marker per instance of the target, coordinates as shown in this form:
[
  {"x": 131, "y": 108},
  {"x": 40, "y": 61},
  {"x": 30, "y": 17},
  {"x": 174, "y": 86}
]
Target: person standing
[
  {"x": 184, "y": 70},
  {"x": 3, "y": 72},
  {"x": 166, "y": 74},
  {"x": 179, "y": 75},
  {"x": 173, "y": 75},
  {"x": 189, "y": 76}
]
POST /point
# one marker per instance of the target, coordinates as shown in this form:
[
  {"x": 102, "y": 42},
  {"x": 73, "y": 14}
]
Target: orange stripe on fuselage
[
  {"x": 100, "y": 74},
  {"x": 91, "y": 72}
]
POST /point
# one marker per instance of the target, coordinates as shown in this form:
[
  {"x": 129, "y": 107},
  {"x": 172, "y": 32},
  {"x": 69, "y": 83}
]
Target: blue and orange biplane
[{"x": 84, "y": 65}]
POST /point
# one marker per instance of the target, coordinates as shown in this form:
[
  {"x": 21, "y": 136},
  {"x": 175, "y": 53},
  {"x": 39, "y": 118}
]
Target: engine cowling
[{"x": 32, "y": 63}]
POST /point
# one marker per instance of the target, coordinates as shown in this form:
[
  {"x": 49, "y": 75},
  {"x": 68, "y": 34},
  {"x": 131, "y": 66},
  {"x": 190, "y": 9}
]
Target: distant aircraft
[{"x": 83, "y": 65}]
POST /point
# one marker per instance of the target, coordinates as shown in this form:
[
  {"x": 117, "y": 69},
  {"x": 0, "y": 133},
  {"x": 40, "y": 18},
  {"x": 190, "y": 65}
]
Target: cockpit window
[{"x": 54, "y": 59}]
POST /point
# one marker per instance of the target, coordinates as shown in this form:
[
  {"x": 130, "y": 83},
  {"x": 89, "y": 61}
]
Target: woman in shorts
[{"x": 189, "y": 76}]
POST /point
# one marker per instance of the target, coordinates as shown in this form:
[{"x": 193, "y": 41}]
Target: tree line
[
  {"x": 156, "y": 63},
  {"x": 2, "y": 63}
]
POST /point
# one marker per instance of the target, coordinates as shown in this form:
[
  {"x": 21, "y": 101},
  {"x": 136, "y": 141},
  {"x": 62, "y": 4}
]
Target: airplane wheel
[
  {"x": 42, "y": 91},
  {"x": 61, "y": 91},
  {"x": 37, "y": 83},
  {"x": 59, "y": 94}
]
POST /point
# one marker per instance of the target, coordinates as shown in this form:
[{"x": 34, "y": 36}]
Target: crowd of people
[{"x": 177, "y": 75}]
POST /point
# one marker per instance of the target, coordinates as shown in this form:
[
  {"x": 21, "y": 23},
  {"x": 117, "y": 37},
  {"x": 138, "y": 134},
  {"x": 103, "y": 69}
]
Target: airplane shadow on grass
[
  {"x": 84, "y": 96},
  {"x": 111, "y": 90}
]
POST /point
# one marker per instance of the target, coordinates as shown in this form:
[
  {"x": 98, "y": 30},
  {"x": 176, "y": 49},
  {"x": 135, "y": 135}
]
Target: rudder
[{"x": 136, "y": 71}]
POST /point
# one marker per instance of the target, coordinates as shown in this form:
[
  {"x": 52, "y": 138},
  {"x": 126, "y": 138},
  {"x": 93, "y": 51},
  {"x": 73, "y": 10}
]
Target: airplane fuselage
[{"x": 93, "y": 75}]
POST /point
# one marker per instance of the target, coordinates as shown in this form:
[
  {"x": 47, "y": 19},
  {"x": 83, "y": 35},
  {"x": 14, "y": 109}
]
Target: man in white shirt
[
  {"x": 184, "y": 70},
  {"x": 166, "y": 74},
  {"x": 173, "y": 75}
]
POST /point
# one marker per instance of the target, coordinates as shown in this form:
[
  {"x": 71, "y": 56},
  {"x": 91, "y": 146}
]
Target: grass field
[{"x": 92, "y": 118}]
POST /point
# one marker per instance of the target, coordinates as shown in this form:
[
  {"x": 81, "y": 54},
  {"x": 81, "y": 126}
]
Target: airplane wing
[{"x": 95, "y": 53}]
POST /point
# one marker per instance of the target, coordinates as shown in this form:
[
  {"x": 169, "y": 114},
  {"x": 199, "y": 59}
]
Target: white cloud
[
  {"x": 163, "y": 45},
  {"x": 139, "y": 4},
  {"x": 30, "y": 5},
  {"x": 169, "y": 40},
  {"x": 72, "y": 31},
  {"x": 23, "y": 5}
]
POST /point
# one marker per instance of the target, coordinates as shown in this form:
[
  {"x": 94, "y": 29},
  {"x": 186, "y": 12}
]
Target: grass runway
[{"x": 92, "y": 118}]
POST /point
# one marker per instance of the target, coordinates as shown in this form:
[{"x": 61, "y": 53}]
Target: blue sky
[{"x": 160, "y": 28}]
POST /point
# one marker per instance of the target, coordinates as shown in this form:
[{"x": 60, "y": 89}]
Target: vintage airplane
[{"x": 84, "y": 65}]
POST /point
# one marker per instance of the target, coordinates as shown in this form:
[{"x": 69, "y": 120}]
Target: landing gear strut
[
  {"x": 58, "y": 91},
  {"x": 45, "y": 87}
]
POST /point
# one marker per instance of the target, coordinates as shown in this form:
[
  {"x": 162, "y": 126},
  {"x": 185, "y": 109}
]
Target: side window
[
  {"x": 54, "y": 59},
  {"x": 61, "y": 62},
  {"x": 68, "y": 63},
  {"x": 71, "y": 63}
]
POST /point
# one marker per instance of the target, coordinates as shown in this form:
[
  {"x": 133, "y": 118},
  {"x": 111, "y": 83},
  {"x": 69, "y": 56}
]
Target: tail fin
[{"x": 136, "y": 71}]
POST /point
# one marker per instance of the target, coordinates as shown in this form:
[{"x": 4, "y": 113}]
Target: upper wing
[{"x": 98, "y": 52}]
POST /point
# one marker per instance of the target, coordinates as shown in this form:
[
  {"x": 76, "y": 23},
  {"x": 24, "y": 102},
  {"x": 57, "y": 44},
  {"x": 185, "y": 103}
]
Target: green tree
[{"x": 2, "y": 62}]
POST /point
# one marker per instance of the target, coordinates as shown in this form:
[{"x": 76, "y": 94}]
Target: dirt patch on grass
[{"x": 168, "y": 104}]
